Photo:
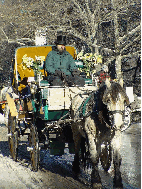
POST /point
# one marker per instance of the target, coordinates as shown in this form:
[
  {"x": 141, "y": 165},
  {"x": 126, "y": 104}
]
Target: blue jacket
[{"x": 59, "y": 61}]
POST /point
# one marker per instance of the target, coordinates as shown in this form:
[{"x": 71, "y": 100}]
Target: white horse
[{"x": 98, "y": 121}]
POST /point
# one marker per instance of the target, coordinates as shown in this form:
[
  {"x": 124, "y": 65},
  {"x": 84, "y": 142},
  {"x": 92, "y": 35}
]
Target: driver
[{"x": 60, "y": 66}]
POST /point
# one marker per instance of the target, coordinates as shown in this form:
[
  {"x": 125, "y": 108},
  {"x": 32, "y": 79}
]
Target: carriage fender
[{"x": 11, "y": 105}]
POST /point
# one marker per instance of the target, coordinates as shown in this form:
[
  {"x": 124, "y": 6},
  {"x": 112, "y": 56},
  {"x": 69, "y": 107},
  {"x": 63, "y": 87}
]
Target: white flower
[
  {"x": 24, "y": 67},
  {"x": 25, "y": 58},
  {"x": 40, "y": 58},
  {"x": 37, "y": 58},
  {"x": 28, "y": 61}
]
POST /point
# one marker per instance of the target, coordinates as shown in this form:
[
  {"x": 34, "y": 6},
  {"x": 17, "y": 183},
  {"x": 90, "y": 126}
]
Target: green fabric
[
  {"x": 56, "y": 61},
  {"x": 46, "y": 112}
]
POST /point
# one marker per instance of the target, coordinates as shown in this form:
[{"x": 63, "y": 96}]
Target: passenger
[{"x": 60, "y": 66}]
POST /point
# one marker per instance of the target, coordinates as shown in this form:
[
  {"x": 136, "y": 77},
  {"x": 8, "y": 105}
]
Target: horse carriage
[{"x": 52, "y": 116}]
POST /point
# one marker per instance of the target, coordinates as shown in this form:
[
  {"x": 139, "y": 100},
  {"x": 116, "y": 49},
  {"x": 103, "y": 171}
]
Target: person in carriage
[
  {"x": 102, "y": 75},
  {"x": 60, "y": 66}
]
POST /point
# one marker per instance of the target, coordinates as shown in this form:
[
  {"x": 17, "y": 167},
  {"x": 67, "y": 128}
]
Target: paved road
[
  {"x": 131, "y": 156},
  {"x": 131, "y": 160},
  {"x": 58, "y": 169}
]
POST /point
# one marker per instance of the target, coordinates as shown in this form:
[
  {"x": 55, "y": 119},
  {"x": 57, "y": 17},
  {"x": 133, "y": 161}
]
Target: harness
[{"x": 82, "y": 108}]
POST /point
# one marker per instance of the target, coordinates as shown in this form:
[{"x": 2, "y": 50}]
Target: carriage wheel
[
  {"x": 12, "y": 136},
  {"x": 34, "y": 148}
]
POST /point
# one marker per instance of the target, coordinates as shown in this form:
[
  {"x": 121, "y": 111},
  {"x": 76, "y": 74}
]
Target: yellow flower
[
  {"x": 88, "y": 74},
  {"x": 94, "y": 71},
  {"x": 80, "y": 55},
  {"x": 42, "y": 58},
  {"x": 99, "y": 60}
]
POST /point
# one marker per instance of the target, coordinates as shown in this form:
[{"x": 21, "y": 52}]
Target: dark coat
[{"x": 59, "y": 61}]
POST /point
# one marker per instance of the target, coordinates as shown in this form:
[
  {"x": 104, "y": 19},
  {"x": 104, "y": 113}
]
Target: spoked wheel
[
  {"x": 13, "y": 136},
  {"x": 34, "y": 148}
]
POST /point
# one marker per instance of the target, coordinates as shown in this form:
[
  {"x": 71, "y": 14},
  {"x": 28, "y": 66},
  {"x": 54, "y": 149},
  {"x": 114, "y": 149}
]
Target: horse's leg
[
  {"x": 117, "y": 181},
  {"x": 94, "y": 152},
  {"x": 77, "y": 141},
  {"x": 94, "y": 155},
  {"x": 106, "y": 157}
]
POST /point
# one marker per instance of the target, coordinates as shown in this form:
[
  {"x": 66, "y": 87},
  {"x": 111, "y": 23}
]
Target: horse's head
[{"x": 115, "y": 99}]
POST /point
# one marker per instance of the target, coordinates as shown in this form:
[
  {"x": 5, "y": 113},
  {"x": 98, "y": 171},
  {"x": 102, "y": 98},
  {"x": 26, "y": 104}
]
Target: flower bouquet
[
  {"x": 35, "y": 64},
  {"x": 90, "y": 60}
]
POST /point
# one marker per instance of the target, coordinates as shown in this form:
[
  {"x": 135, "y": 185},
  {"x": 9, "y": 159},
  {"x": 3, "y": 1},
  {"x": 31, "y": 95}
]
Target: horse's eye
[{"x": 108, "y": 101}]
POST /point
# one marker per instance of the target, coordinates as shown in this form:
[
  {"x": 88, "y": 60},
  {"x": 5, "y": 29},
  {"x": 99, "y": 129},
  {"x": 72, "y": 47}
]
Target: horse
[
  {"x": 3, "y": 92},
  {"x": 97, "y": 125}
]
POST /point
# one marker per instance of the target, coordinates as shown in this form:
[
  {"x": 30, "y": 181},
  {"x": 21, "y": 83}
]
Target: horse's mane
[
  {"x": 98, "y": 101},
  {"x": 114, "y": 90}
]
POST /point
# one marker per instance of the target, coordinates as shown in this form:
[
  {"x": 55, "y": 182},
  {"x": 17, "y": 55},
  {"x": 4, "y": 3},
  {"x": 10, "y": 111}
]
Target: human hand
[
  {"x": 58, "y": 73},
  {"x": 76, "y": 72},
  {"x": 63, "y": 75}
]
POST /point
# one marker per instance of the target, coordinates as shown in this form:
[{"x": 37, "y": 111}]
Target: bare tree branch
[
  {"x": 4, "y": 33},
  {"x": 129, "y": 44},
  {"x": 131, "y": 54},
  {"x": 131, "y": 32}
]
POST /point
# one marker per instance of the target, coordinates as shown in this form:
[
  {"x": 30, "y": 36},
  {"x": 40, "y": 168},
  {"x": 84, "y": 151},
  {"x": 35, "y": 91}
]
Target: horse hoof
[
  {"x": 117, "y": 184},
  {"x": 97, "y": 186},
  {"x": 75, "y": 169}
]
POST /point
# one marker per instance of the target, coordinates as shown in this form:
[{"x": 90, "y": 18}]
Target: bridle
[
  {"x": 116, "y": 111},
  {"x": 122, "y": 112}
]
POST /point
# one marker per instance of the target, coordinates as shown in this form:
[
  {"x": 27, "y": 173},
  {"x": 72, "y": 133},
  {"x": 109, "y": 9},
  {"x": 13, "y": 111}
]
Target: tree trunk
[{"x": 117, "y": 42}]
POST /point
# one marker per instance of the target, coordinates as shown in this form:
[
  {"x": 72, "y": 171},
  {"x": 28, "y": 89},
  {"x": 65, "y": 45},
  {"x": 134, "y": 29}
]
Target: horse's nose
[{"x": 118, "y": 127}]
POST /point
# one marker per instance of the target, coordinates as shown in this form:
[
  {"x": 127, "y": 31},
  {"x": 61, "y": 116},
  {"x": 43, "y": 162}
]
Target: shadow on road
[{"x": 4, "y": 148}]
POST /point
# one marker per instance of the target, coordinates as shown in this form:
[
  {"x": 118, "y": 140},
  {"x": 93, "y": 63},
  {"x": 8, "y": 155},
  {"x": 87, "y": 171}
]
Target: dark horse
[{"x": 98, "y": 120}]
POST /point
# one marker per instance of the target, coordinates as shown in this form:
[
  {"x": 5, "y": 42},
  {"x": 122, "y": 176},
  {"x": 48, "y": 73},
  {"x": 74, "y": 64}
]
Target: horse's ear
[
  {"x": 121, "y": 82},
  {"x": 107, "y": 82}
]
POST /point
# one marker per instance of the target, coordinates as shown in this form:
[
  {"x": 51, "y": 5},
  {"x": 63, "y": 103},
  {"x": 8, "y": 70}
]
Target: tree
[{"x": 82, "y": 20}]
